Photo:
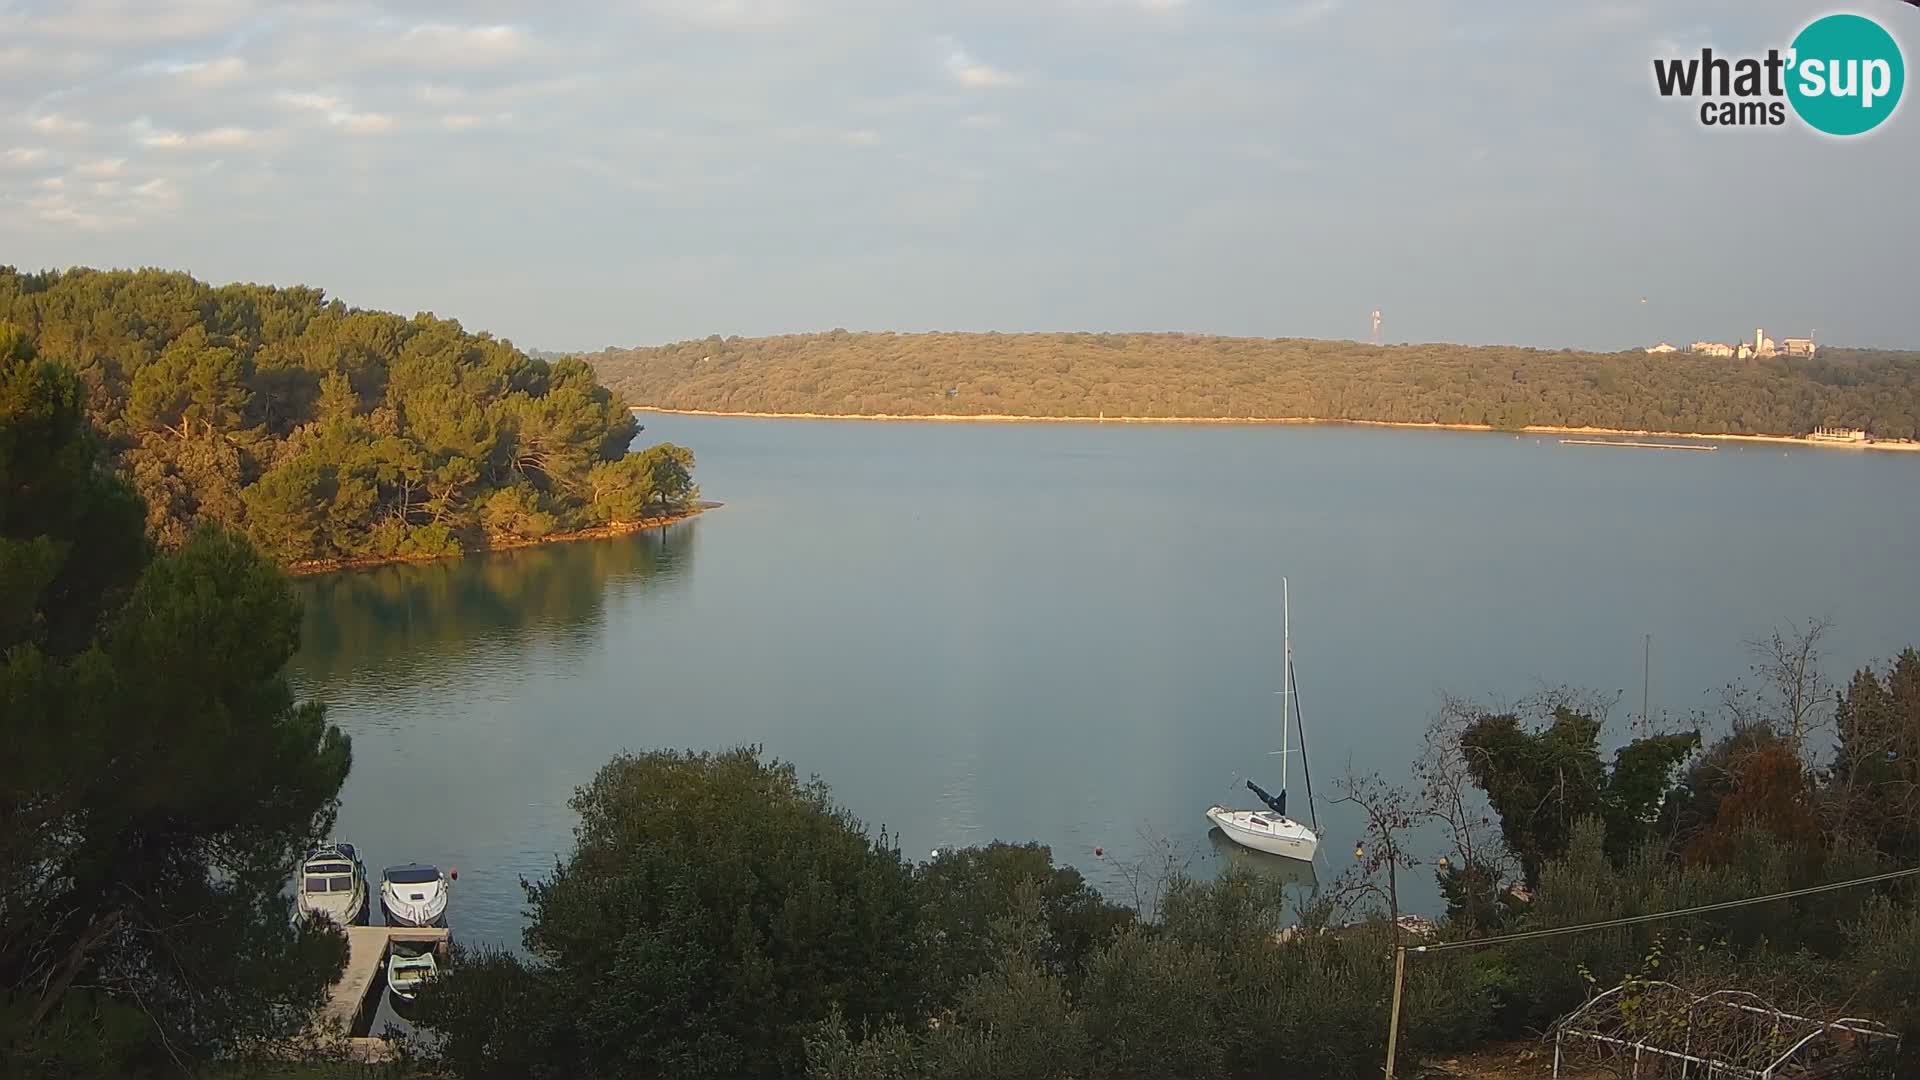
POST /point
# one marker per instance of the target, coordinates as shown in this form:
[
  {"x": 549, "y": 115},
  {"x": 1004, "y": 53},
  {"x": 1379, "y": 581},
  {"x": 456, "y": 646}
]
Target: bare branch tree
[
  {"x": 1792, "y": 695},
  {"x": 1449, "y": 796},
  {"x": 1149, "y": 875},
  {"x": 1390, "y": 813}
]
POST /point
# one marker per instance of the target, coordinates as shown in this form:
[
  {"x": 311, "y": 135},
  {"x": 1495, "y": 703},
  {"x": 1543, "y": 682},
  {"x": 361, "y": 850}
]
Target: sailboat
[{"x": 1271, "y": 830}]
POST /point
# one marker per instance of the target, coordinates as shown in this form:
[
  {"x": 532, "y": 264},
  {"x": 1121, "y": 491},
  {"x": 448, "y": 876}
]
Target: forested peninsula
[
  {"x": 334, "y": 435},
  {"x": 1201, "y": 377}
]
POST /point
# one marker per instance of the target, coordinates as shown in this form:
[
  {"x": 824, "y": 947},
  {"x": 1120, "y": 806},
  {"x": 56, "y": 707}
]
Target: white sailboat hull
[{"x": 1266, "y": 831}]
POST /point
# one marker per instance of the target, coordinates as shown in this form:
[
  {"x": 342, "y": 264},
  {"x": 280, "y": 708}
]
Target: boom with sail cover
[{"x": 1278, "y": 803}]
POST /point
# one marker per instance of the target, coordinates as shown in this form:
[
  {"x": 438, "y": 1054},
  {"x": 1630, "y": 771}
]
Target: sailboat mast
[{"x": 1286, "y": 687}]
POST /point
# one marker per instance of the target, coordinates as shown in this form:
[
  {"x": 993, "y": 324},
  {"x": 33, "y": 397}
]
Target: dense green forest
[
  {"x": 1198, "y": 376},
  {"x": 327, "y": 432}
]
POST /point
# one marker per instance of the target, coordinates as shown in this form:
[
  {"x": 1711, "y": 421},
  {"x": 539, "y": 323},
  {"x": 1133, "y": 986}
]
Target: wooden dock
[
  {"x": 1642, "y": 445},
  {"x": 356, "y": 997}
]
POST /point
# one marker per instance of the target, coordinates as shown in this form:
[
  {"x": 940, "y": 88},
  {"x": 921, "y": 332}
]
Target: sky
[{"x": 580, "y": 175}]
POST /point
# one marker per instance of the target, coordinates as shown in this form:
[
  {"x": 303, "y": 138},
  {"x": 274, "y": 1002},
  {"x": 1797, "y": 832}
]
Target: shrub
[
  {"x": 685, "y": 943},
  {"x": 961, "y": 893},
  {"x": 1151, "y": 1005}
]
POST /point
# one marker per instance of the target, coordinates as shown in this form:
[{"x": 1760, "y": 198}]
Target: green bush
[
  {"x": 517, "y": 511},
  {"x": 431, "y": 540},
  {"x": 1152, "y": 1008},
  {"x": 961, "y": 893},
  {"x": 684, "y": 943}
]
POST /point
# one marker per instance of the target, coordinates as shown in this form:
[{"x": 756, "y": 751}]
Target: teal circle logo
[{"x": 1847, "y": 74}]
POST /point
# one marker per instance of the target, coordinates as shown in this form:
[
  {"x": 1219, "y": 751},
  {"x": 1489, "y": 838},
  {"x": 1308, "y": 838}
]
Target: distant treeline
[
  {"x": 329, "y": 432},
  {"x": 1198, "y": 376}
]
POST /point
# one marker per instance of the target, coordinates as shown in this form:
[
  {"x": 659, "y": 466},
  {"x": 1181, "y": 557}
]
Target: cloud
[
  {"x": 905, "y": 103},
  {"x": 784, "y": 127},
  {"x": 970, "y": 72},
  {"x": 809, "y": 133},
  {"x": 101, "y": 204},
  {"x": 323, "y": 103},
  {"x": 212, "y": 73},
  {"x": 469, "y": 121},
  {"x": 733, "y": 15},
  {"x": 56, "y": 124},
  {"x": 1154, "y": 7},
  {"x": 468, "y": 45},
  {"x": 212, "y": 137},
  {"x": 160, "y": 189},
  {"x": 337, "y": 111},
  {"x": 1275, "y": 159},
  {"x": 133, "y": 22},
  {"x": 45, "y": 61},
  {"x": 364, "y": 123},
  {"x": 62, "y": 211},
  {"x": 1301, "y": 15},
  {"x": 437, "y": 94},
  {"x": 984, "y": 75}
]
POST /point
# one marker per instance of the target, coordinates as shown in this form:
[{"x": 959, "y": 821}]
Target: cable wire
[{"x": 1529, "y": 935}]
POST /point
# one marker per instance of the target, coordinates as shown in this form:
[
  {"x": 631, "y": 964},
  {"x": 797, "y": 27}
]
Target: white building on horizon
[{"x": 1760, "y": 346}]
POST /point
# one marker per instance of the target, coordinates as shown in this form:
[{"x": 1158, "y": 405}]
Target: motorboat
[
  {"x": 408, "y": 970},
  {"x": 333, "y": 885},
  {"x": 1271, "y": 830},
  {"x": 413, "y": 895}
]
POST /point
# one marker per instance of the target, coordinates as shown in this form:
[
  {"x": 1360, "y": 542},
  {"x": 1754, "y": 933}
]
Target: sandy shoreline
[
  {"x": 598, "y": 532},
  {"x": 1531, "y": 429}
]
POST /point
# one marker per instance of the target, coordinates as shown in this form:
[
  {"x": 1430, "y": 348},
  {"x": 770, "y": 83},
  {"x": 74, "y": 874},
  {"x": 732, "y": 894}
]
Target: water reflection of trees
[{"x": 449, "y": 614}]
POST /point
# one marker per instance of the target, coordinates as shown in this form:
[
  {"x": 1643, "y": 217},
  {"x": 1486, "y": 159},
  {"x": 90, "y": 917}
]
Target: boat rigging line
[{"x": 1305, "y": 769}]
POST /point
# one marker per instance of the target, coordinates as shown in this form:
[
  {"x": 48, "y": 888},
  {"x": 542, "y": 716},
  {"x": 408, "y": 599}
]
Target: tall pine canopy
[
  {"x": 327, "y": 432},
  {"x": 158, "y": 780}
]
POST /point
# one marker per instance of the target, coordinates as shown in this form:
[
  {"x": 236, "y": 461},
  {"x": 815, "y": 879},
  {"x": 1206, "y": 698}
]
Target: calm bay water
[{"x": 1070, "y": 633}]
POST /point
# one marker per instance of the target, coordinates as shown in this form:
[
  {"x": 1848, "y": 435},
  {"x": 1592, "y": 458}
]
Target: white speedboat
[
  {"x": 333, "y": 885},
  {"x": 1271, "y": 830},
  {"x": 413, "y": 895}
]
